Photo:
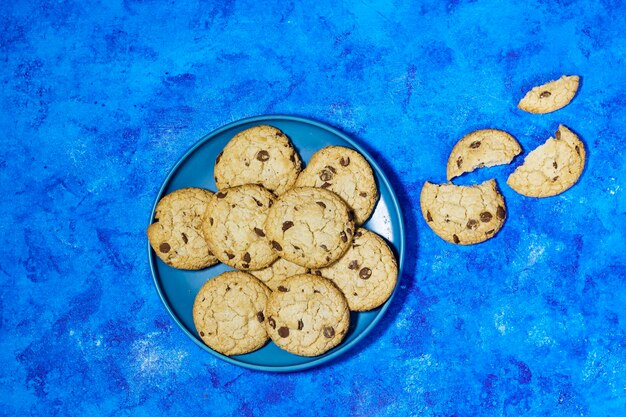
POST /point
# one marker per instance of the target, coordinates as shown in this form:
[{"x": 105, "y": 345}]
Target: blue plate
[{"x": 178, "y": 288}]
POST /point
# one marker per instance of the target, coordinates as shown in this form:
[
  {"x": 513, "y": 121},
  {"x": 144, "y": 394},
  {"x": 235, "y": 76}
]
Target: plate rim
[{"x": 396, "y": 206}]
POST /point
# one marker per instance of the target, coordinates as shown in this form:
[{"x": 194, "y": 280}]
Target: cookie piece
[
  {"x": 307, "y": 316},
  {"x": 482, "y": 148},
  {"x": 551, "y": 96},
  {"x": 311, "y": 227},
  {"x": 228, "y": 313},
  {"x": 234, "y": 226},
  {"x": 275, "y": 274},
  {"x": 260, "y": 155},
  {"x": 345, "y": 172},
  {"x": 366, "y": 274},
  {"x": 463, "y": 214},
  {"x": 552, "y": 167},
  {"x": 176, "y": 234}
]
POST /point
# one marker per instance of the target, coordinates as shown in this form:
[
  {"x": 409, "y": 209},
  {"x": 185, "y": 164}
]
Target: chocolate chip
[
  {"x": 211, "y": 220},
  {"x": 316, "y": 291},
  {"x": 165, "y": 247},
  {"x": 353, "y": 265},
  {"x": 501, "y": 213},
  {"x": 258, "y": 203},
  {"x": 545, "y": 94},
  {"x": 555, "y": 165},
  {"x": 220, "y": 195},
  {"x": 234, "y": 205},
  {"x": 331, "y": 168},
  {"x": 329, "y": 332},
  {"x": 326, "y": 175},
  {"x": 358, "y": 234},
  {"x": 202, "y": 334},
  {"x": 343, "y": 236},
  {"x": 472, "y": 224},
  {"x": 324, "y": 247},
  {"x": 260, "y": 317},
  {"x": 271, "y": 322},
  {"x": 455, "y": 238},
  {"x": 292, "y": 158},
  {"x": 350, "y": 215},
  {"x": 217, "y": 160},
  {"x": 344, "y": 161},
  {"x": 365, "y": 273},
  {"x": 156, "y": 219},
  {"x": 577, "y": 150},
  {"x": 228, "y": 288},
  {"x": 185, "y": 238},
  {"x": 280, "y": 134},
  {"x": 296, "y": 247},
  {"x": 287, "y": 225},
  {"x": 363, "y": 194},
  {"x": 475, "y": 144},
  {"x": 429, "y": 217},
  {"x": 230, "y": 255},
  {"x": 485, "y": 217},
  {"x": 300, "y": 324},
  {"x": 246, "y": 257},
  {"x": 259, "y": 232},
  {"x": 325, "y": 185},
  {"x": 283, "y": 331},
  {"x": 459, "y": 162},
  {"x": 318, "y": 273},
  {"x": 349, "y": 231},
  {"x": 276, "y": 245},
  {"x": 245, "y": 266},
  {"x": 557, "y": 135},
  {"x": 282, "y": 289},
  {"x": 327, "y": 260},
  {"x": 269, "y": 204},
  {"x": 262, "y": 156},
  {"x": 488, "y": 232},
  {"x": 555, "y": 178},
  {"x": 321, "y": 204}
]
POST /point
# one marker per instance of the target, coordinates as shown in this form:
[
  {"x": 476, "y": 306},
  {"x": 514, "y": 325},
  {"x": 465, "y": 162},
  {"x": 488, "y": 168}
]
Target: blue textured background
[{"x": 99, "y": 101}]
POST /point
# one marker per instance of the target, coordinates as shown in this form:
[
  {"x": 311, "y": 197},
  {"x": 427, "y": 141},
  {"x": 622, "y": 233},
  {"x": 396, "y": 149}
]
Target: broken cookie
[{"x": 551, "y": 96}]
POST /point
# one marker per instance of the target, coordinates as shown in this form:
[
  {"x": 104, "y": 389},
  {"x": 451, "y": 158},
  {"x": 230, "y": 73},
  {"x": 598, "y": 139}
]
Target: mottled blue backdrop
[{"x": 100, "y": 99}]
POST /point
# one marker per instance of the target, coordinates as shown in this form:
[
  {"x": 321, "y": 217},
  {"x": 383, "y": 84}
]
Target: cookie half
[
  {"x": 463, "y": 214},
  {"x": 176, "y": 234},
  {"x": 552, "y": 167},
  {"x": 311, "y": 227},
  {"x": 275, "y": 274},
  {"x": 234, "y": 226},
  {"x": 366, "y": 274},
  {"x": 345, "y": 172},
  {"x": 307, "y": 316},
  {"x": 551, "y": 96},
  {"x": 482, "y": 148},
  {"x": 260, "y": 155},
  {"x": 228, "y": 313}
]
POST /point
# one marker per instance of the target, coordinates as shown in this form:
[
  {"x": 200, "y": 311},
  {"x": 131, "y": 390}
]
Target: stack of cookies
[
  {"x": 302, "y": 260},
  {"x": 466, "y": 215}
]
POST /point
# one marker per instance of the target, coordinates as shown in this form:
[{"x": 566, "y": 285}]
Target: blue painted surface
[{"x": 99, "y": 101}]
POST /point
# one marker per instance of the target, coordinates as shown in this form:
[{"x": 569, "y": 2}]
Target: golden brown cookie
[{"x": 551, "y": 96}]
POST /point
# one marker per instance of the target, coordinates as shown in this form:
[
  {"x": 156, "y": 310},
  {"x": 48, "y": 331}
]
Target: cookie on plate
[
  {"x": 552, "y": 167},
  {"x": 228, "y": 313},
  {"x": 234, "y": 226},
  {"x": 463, "y": 214},
  {"x": 345, "y": 172},
  {"x": 366, "y": 273},
  {"x": 482, "y": 148},
  {"x": 551, "y": 96},
  {"x": 311, "y": 227},
  {"x": 260, "y": 155},
  {"x": 275, "y": 274},
  {"x": 307, "y": 316},
  {"x": 176, "y": 234}
]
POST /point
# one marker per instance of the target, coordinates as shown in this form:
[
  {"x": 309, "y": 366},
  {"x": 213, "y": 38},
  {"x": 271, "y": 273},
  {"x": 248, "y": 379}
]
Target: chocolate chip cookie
[
  {"x": 275, "y": 274},
  {"x": 307, "y": 315},
  {"x": 366, "y": 273},
  {"x": 176, "y": 234},
  {"x": 234, "y": 226},
  {"x": 482, "y": 148},
  {"x": 551, "y": 96},
  {"x": 260, "y": 155},
  {"x": 345, "y": 172},
  {"x": 311, "y": 227},
  {"x": 228, "y": 313},
  {"x": 463, "y": 214},
  {"x": 552, "y": 167}
]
